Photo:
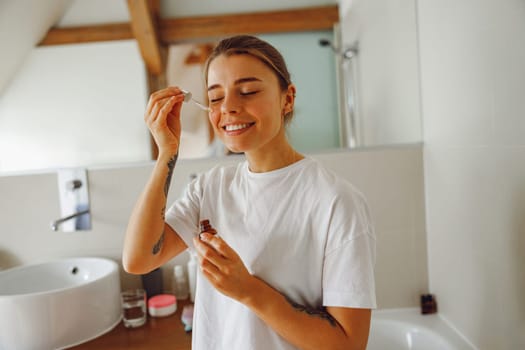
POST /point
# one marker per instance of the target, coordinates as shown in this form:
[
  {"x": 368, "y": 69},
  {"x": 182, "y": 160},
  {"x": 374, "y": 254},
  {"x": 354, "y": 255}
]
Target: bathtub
[{"x": 407, "y": 329}]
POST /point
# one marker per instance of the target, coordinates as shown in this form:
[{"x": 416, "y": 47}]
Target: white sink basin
[{"x": 58, "y": 304}]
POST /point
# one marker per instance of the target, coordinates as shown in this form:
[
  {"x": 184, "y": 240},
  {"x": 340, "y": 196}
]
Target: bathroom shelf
[{"x": 158, "y": 333}]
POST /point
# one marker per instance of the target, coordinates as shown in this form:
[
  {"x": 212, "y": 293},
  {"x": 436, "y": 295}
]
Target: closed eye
[
  {"x": 212, "y": 100},
  {"x": 247, "y": 93}
]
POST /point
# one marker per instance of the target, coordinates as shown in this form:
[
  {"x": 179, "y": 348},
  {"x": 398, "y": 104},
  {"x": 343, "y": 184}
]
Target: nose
[{"x": 230, "y": 104}]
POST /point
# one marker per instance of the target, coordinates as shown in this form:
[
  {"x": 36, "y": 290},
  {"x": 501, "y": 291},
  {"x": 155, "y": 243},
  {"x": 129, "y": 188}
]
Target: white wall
[
  {"x": 391, "y": 179},
  {"x": 473, "y": 79}
]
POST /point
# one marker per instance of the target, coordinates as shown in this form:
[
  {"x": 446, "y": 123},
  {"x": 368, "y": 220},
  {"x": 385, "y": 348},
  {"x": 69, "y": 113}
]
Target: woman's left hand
[{"x": 223, "y": 267}]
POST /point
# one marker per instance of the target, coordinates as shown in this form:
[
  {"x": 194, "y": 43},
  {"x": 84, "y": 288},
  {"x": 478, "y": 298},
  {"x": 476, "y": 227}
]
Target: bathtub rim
[{"x": 416, "y": 312}]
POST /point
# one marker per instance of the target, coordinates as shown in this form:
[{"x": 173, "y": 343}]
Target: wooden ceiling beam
[
  {"x": 145, "y": 31},
  {"x": 154, "y": 9},
  {"x": 183, "y": 29},
  {"x": 191, "y": 28},
  {"x": 87, "y": 34}
]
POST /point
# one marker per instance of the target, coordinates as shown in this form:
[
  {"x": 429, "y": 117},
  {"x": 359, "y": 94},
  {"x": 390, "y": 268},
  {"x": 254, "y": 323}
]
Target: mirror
[
  {"x": 83, "y": 104},
  {"x": 315, "y": 123},
  {"x": 75, "y": 105}
]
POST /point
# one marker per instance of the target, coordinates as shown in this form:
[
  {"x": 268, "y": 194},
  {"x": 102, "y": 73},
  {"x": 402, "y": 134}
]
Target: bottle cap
[{"x": 205, "y": 225}]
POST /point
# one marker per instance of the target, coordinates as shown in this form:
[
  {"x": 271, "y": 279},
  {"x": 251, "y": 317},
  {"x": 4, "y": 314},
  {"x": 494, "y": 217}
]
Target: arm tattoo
[
  {"x": 319, "y": 312},
  {"x": 157, "y": 246},
  {"x": 171, "y": 166}
]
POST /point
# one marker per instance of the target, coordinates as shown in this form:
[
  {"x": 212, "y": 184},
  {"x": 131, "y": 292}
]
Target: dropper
[{"x": 189, "y": 97}]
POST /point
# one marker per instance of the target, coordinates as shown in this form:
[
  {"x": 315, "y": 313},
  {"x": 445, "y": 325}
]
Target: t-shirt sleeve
[
  {"x": 183, "y": 214},
  {"x": 348, "y": 271}
]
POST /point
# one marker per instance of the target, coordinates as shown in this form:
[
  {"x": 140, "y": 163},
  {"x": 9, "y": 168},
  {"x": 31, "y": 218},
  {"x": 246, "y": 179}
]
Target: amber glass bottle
[{"x": 206, "y": 227}]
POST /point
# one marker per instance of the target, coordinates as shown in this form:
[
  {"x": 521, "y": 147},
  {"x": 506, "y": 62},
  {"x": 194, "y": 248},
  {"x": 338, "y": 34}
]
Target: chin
[{"x": 237, "y": 149}]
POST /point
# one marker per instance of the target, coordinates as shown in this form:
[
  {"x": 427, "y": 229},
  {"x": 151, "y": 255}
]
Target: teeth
[{"x": 234, "y": 127}]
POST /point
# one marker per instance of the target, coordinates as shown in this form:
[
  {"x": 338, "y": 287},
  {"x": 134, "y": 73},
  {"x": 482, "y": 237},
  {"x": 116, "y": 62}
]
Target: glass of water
[{"x": 133, "y": 307}]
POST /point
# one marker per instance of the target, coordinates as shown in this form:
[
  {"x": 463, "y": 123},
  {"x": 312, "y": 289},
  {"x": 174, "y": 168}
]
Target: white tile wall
[{"x": 473, "y": 78}]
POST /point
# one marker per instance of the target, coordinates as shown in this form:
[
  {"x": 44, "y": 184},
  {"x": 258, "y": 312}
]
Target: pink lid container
[{"x": 162, "y": 305}]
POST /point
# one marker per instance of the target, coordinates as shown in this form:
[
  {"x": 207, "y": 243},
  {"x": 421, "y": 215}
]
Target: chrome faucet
[
  {"x": 73, "y": 189},
  {"x": 56, "y": 223}
]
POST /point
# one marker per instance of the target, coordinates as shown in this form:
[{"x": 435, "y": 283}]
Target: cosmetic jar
[{"x": 162, "y": 305}]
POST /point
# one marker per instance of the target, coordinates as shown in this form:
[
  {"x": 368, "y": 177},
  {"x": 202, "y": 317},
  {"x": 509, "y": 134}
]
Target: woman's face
[{"x": 247, "y": 104}]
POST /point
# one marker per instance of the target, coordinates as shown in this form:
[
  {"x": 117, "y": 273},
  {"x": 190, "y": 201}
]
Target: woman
[{"x": 292, "y": 264}]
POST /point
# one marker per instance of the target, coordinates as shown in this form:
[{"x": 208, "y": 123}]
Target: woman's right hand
[{"x": 163, "y": 118}]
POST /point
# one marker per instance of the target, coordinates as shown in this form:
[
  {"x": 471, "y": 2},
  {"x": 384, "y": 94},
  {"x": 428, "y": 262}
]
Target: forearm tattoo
[
  {"x": 320, "y": 312},
  {"x": 158, "y": 245},
  {"x": 171, "y": 165}
]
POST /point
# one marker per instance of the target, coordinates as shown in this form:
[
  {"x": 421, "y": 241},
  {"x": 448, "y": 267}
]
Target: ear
[{"x": 289, "y": 99}]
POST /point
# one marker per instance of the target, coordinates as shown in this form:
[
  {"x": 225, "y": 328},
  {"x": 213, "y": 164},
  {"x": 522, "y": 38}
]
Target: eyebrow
[{"x": 236, "y": 82}]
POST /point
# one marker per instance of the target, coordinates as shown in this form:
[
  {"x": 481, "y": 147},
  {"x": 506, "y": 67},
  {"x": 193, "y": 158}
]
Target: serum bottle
[{"x": 205, "y": 226}]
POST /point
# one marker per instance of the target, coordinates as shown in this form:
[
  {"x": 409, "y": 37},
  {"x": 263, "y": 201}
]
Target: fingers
[
  {"x": 221, "y": 266},
  {"x": 160, "y": 109},
  {"x": 162, "y": 95},
  {"x": 214, "y": 250},
  {"x": 216, "y": 243},
  {"x": 161, "y": 103},
  {"x": 208, "y": 252}
]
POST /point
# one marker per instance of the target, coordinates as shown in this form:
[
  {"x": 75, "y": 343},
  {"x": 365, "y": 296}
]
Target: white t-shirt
[{"x": 301, "y": 229}]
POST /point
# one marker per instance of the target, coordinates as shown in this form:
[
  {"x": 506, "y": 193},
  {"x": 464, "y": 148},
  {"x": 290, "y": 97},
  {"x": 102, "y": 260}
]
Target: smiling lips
[{"x": 237, "y": 128}]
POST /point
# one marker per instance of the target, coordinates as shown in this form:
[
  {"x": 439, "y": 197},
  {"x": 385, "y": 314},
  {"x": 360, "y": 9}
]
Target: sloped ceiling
[{"x": 22, "y": 25}]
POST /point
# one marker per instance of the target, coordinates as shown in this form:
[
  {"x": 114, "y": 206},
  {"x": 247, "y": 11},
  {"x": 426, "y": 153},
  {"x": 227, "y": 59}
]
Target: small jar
[{"x": 162, "y": 305}]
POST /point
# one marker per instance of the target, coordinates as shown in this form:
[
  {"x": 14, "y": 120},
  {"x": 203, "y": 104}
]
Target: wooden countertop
[{"x": 158, "y": 333}]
